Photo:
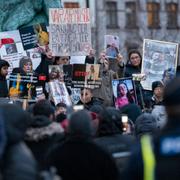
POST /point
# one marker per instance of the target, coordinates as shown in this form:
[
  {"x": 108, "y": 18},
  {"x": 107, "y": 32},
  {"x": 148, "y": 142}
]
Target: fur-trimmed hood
[{"x": 41, "y": 133}]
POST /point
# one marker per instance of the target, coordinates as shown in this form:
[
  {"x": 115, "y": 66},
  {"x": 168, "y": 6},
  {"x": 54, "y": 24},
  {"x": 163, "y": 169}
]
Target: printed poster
[{"x": 159, "y": 57}]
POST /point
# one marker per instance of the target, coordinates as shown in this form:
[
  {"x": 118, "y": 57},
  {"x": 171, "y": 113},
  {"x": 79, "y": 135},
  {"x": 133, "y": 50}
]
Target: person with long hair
[{"x": 124, "y": 96}]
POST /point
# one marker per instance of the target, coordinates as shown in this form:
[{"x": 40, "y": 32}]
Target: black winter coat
[
  {"x": 3, "y": 87},
  {"x": 81, "y": 159},
  {"x": 42, "y": 136},
  {"x": 19, "y": 164},
  {"x": 167, "y": 155}
]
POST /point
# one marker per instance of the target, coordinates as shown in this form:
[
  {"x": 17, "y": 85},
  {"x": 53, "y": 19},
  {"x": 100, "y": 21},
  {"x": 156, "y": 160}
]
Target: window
[
  {"x": 111, "y": 10},
  {"x": 153, "y": 9},
  {"x": 172, "y": 15},
  {"x": 131, "y": 15},
  {"x": 71, "y": 5}
]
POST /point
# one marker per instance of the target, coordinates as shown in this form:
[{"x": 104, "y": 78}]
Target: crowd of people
[{"x": 45, "y": 140}]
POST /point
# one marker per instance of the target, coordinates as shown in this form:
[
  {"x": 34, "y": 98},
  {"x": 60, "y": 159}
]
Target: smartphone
[
  {"x": 124, "y": 119},
  {"x": 78, "y": 108}
]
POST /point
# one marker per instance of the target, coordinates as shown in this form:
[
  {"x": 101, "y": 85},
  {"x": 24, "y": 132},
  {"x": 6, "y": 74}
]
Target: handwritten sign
[{"x": 70, "y": 31}]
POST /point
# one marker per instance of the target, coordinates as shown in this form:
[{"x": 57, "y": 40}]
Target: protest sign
[
  {"x": 75, "y": 95},
  {"x": 56, "y": 72},
  {"x": 69, "y": 31},
  {"x": 11, "y": 48},
  {"x": 86, "y": 75},
  {"x": 77, "y": 59},
  {"x": 124, "y": 92},
  {"x": 59, "y": 93},
  {"x": 34, "y": 36},
  {"x": 111, "y": 46},
  {"x": 22, "y": 86},
  {"x": 158, "y": 57},
  {"x": 67, "y": 69}
]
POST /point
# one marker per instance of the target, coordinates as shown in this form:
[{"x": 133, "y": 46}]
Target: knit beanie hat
[{"x": 156, "y": 84}]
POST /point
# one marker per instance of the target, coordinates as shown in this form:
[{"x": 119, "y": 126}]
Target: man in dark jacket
[
  {"x": 88, "y": 100},
  {"x": 79, "y": 158},
  {"x": 159, "y": 158},
  {"x": 3, "y": 82},
  {"x": 18, "y": 162}
]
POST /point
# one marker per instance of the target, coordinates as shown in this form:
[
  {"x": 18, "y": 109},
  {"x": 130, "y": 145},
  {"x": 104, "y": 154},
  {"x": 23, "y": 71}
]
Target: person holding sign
[
  {"x": 105, "y": 91},
  {"x": 62, "y": 60},
  {"x": 87, "y": 99},
  {"x": 23, "y": 80},
  {"x": 4, "y": 65}
]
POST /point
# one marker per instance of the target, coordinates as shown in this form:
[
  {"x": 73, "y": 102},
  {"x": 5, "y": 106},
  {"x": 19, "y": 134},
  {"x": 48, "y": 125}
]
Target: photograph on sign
[
  {"x": 111, "y": 46},
  {"x": 158, "y": 58},
  {"x": 124, "y": 92}
]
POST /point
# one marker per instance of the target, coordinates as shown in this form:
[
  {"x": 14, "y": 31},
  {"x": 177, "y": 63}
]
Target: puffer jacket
[{"x": 42, "y": 136}]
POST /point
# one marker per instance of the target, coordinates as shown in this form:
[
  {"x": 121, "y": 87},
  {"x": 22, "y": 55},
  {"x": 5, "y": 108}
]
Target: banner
[
  {"x": 158, "y": 58},
  {"x": 124, "y": 92},
  {"x": 34, "y": 36},
  {"x": 69, "y": 31}
]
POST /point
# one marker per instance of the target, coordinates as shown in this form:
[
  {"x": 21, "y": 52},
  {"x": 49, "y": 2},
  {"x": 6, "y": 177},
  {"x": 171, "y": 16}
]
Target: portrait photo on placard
[
  {"x": 159, "y": 59},
  {"x": 124, "y": 92},
  {"x": 111, "y": 46}
]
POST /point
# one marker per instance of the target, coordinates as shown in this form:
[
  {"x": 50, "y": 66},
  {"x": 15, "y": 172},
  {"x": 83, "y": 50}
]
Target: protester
[
  {"x": 79, "y": 158},
  {"x": 61, "y": 108},
  {"x": 4, "y": 65},
  {"x": 44, "y": 107},
  {"x": 162, "y": 151},
  {"x": 168, "y": 75},
  {"x": 157, "y": 98},
  {"x": 134, "y": 62},
  {"x": 133, "y": 111},
  {"x": 105, "y": 91},
  {"x": 62, "y": 60},
  {"x": 87, "y": 99},
  {"x": 110, "y": 132},
  {"x": 145, "y": 124},
  {"x": 41, "y": 136},
  {"x": 22, "y": 87},
  {"x": 18, "y": 162}
]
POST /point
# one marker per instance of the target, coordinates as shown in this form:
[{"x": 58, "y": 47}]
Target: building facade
[{"x": 133, "y": 21}]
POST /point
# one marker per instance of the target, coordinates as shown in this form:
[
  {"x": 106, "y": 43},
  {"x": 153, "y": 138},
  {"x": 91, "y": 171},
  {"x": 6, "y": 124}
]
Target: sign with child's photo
[
  {"x": 59, "y": 93},
  {"x": 111, "y": 46},
  {"x": 56, "y": 73},
  {"x": 86, "y": 75},
  {"x": 69, "y": 31},
  {"x": 158, "y": 58},
  {"x": 124, "y": 92}
]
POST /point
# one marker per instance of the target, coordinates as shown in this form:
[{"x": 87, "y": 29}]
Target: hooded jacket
[
  {"x": 18, "y": 162},
  {"x": 41, "y": 137},
  {"x": 3, "y": 81}
]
